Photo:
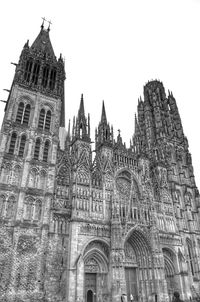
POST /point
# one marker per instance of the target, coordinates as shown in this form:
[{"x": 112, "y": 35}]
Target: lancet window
[
  {"x": 28, "y": 69},
  {"x": 23, "y": 114},
  {"x": 12, "y": 143},
  {"x": 44, "y": 120},
  {"x": 46, "y": 151},
  {"x": 22, "y": 146},
  {"x": 36, "y": 70},
  {"x": 37, "y": 148}
]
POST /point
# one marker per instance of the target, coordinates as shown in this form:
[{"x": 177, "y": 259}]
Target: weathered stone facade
[{"x": 82, "y": 226}]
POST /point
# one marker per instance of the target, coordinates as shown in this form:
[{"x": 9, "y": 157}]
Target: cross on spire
[
  {"x": 50, "y": 23},
  {"x": 43, "y": 18}
]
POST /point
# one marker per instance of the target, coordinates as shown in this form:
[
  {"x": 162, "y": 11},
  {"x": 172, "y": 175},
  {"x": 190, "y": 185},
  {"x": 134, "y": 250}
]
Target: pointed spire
[
  {"x": 103, "y": 114},
  {"x": 81, "y": 111}
]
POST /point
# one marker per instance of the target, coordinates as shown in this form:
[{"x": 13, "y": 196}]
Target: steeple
[
  {"x": 39, "y": 70},
  {"x": 103, "y": 115},
  {"x": 104, "y": 133},
  {"x": 81, "y": 128}
]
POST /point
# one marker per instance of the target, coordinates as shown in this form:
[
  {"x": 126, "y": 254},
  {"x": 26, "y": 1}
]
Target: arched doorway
[
  {"x": 138, "y": 266},
  {"x": 89, "y": 296},
  {"x": 170, "y": 276},
  {"x": 96, "y": 271}
]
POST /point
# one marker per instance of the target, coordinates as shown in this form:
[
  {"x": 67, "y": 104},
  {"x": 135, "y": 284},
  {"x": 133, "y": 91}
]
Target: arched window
[
  {"x": 16, "y": 175},
  {"x": 22, "y": 146},
  {"x": 46, "y": 151},
  {"x": 33, "y": 178},
  {"x": 2, "y": 205},
  {"x": 48, "y": 120},
  {"x": 10, "y": 207},
  {"x": 35, "y": 75},
  {"x": 37, "y": 149},
  {"x": 28, "y": 69},
  {"x": 42, "y": 179},
  {"x": 52, "y": 79},
  {"x": 12, "y": 143},
  {"x": 44, "y": 120},
  {"x": 20, "y": 112},
  {"x": 41, "y": 119},
  {"x": 45, "y": 76},
  {"x": 29, "y": 209},
  {"x": 38, "y": 210},
  {"x": 26, "y": 114}
]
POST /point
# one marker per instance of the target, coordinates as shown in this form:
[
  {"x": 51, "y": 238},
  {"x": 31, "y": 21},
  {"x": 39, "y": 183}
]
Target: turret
[
  {"x": 104, "y": 133},
  {"x": 81, "y": 125}
]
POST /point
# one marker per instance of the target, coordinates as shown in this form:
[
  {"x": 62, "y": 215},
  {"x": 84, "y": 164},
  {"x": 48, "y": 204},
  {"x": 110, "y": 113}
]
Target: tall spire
[
  {"x": 82, "y": 124},
  {"x": 103, "y": 114},
  {"x": 104, "y": 135},
  {"x": 81, "y": 111}
]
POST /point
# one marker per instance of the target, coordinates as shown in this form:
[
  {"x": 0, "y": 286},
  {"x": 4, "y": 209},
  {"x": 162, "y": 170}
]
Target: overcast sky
[{"x": 111, "y": 49}]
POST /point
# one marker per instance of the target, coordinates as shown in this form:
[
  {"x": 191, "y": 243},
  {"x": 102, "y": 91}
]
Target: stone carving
[{"x": 27, "y": 244}]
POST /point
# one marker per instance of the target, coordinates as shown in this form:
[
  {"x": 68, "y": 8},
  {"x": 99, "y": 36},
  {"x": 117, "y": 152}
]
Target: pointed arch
[
  {"x": 16, "y": 175},
  {"x": 38, "y": 210},
  {"x": 26, "y": 114},
  {"x": 46, "y": 150},
  {"x": 41, "y": 119},
  {"x": 12, "y": 143},
  {"x": 11, "y": 206},
  {"x": 29, "y": 207},
  {"x": 20, "y": 111},
  {"x": 37, "y": 148},
  {"x": 22, "y": 145},
  {"x": 48, "y": 120},
  {"x": 33, "y": 178}
]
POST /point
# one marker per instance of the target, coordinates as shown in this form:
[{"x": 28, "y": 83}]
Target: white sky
[{"x": 112, "y": 48}]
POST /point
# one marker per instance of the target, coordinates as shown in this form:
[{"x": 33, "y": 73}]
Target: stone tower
[
  {"x": 28, "y": 152},
  {"x": 86, "y": 225}
]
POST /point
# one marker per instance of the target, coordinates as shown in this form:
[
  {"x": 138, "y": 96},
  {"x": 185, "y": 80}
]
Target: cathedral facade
[{"x": 86, "y": 225}]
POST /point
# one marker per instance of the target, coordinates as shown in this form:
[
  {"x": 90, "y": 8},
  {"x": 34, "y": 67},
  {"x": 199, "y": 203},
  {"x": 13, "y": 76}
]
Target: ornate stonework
[{"x": 78, "y": 225}]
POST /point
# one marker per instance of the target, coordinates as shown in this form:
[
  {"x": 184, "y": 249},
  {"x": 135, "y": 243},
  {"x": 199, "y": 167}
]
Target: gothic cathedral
[{"x": 86, "y": 225}]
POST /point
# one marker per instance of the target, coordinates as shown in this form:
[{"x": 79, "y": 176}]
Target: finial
[
  {"x": 42, "y": 26},
  {"x": 50, "y": 23}
]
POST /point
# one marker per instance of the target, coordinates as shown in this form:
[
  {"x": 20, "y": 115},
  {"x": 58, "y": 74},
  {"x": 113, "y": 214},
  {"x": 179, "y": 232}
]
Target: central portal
[
  {"x": 131, "y": 283},
  {"x": 90, "y": 287}
]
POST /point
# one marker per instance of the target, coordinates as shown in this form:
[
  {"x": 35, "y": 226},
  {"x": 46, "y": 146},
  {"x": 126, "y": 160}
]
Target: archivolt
[{"x": 141, "y": 246}]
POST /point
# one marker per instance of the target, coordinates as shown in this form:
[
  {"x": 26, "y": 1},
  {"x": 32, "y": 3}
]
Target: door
[
  {"x": 90, "y": 287},
  {"x": 89, "y": 295},
  {"x": 131, "y": 283}
]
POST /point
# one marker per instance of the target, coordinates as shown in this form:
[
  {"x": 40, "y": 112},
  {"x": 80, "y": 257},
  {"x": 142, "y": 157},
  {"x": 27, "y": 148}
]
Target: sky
[{"x": 111, "y": 49}]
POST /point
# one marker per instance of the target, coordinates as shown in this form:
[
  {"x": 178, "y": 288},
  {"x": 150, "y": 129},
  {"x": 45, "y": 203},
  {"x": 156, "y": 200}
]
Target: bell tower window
[
  {"x": 28, "y": 69},
  {"x": 52, "y": 79},
  {"x": 35, "y": 75},
  {"x": 20, "y": 113},
  {"x": 45, "y": 76},
  {"x": 23, "y": 114},
  {"x": 37, "y": 149},
  {"x": 46, "y": 151},
  {"x": 22, "y": 146},
  {"x": 26, "y": 114},
  {"x": 44, "y": 120},
  {"x": 12, "y": 143},
  {"x": 41, "y": 119},
  {"x": 48, "y": 120}
]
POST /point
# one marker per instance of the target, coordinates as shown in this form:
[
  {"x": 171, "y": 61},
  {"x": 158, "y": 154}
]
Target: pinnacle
[
  {"x": 81, "y": 111},
  {"x": 103, "y": 114}
]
